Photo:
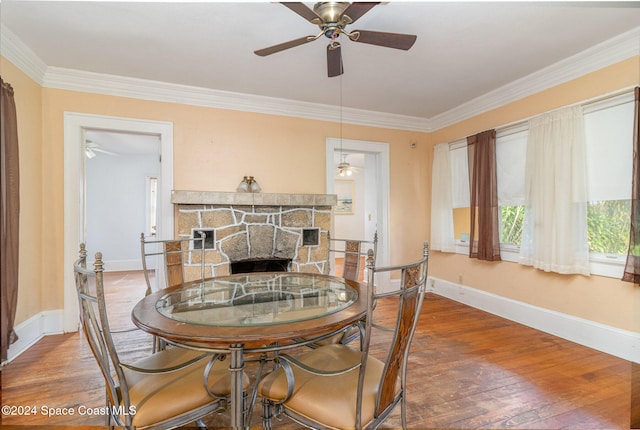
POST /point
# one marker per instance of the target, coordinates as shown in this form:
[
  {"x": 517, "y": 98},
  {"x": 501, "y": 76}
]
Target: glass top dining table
[
  {"x": 257, "y": 299},
  {"x": 255, "y": 312}
]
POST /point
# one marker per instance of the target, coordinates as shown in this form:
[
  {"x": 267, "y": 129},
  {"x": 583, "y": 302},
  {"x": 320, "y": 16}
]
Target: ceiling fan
[
  {"x": 91, "y": 148},
  {"x": 344, "y": 167},
  {"x": 333, "y": 18}
]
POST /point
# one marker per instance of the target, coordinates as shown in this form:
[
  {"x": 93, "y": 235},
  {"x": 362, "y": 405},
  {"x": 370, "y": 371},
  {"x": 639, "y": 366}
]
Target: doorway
[
  {"x": 373, "y": 194},
  {"x": 76, "y": 127},
  {"x": 122, "y": 171}
]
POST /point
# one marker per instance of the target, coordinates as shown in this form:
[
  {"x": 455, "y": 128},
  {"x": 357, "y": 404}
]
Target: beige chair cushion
[
  {"x": 338, "y": 338},
  {"x": 331, "y": 400},
  {"x": 158, "y": 397}
]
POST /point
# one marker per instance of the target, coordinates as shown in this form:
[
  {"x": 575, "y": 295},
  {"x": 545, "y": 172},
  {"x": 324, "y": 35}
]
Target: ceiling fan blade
[
  {"x": 356, "y": 9},
  {"x": 390, "y": 40},
  {"x": 282, "y": 46},
  {"x": 334, "y": 61},
  {"x": 304, "y": 11},
  {"x": 106, "y": 152}
]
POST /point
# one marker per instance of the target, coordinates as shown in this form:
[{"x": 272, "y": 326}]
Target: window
[
  {"x": 609, "y": 140},
  {"x": 460, "y": 194},
  {"x": 459, "y": 175},
  {"x": 511, "y": 151},
  {"x": 511, "y": 224},
  {"x": 151, "y": 207},
  {"x": 608, "y": 127},
  {"x": 608, "y": 227},
  {"x": 511, "y": 147}
]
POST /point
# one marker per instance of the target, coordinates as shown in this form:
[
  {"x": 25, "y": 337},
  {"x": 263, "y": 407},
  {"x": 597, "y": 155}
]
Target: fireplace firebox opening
[{"x": 261, "y": 265}]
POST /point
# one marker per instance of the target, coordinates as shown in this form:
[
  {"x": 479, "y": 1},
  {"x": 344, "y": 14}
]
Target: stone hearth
[{"x": 254, "y": 226}]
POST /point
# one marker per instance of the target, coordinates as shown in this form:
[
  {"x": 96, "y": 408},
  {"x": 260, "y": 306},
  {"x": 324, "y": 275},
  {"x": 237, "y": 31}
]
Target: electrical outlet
[{"x": 460, "y": 279}]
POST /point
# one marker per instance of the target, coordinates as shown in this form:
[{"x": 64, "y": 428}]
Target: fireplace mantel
[{"x": 181, "y": 197}]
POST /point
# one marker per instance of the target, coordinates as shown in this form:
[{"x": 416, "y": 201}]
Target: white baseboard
[
  {"x": 34, "y": 329},
  {"x": 611, "y": 340}
]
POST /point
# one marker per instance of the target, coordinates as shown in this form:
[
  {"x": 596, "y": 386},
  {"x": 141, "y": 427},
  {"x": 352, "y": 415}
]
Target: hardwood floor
[{"x": 468, "y": 369}]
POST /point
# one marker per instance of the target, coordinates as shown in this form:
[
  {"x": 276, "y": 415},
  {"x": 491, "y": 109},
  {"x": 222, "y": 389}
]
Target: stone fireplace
[{"x": 256, "y": 229}]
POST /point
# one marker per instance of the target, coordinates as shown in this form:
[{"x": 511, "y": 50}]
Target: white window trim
[{"x": 611, "y": 266}]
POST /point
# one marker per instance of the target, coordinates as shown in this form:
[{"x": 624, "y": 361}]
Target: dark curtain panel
[
  {"x": 632, "y": 268},
  {"x": 485, "y": 233},
  {"x": 10, "y": 212}
]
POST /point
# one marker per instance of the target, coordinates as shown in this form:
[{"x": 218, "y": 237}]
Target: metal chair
[
  {"x": 183, "y": 259},
  {"x": 336, "y": 386},
  {"x": 167, "y": 389},
  {"x": 354, "y": 253}
]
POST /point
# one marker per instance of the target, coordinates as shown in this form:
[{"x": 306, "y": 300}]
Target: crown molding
[
  {"x": 597, "y": 57},
  {"x": 98, "y": 83},
  {"x": 14, "y": 50}
]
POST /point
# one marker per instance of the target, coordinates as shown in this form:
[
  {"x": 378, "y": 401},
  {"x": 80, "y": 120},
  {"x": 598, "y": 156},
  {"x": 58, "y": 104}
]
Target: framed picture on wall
[{"x": 344, "y": 191}]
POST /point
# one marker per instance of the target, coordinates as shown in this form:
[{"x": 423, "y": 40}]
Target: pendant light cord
[{"x": 341, "y": 152}]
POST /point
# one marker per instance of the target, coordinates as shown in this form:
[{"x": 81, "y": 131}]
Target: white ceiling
[{"x": 463, "y": 49}]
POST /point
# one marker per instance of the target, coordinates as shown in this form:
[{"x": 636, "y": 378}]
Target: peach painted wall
[
  {"x": 604, "y": 300},
  {"x": 28, "y": 98},
  {"x": 214, "y": 149}
]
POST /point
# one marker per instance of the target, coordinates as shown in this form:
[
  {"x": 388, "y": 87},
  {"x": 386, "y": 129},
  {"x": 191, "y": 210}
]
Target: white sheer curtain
[
  {"x": 555, "y": 226},
  {"x": 442, "y": 238}
]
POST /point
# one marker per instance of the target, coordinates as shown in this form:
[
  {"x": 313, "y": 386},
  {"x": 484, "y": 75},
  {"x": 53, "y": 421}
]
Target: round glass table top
[{"x": 257, "y": 299}]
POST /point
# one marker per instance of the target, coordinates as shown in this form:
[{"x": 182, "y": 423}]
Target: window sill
[{"x": 611, "y": 266}]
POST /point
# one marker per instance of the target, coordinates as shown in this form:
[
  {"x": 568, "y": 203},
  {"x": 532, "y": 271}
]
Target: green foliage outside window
[
  {"x": 608, "y": 226},
  {"x": 511, "y": 222},
  {"x": 607, "y": 223}
]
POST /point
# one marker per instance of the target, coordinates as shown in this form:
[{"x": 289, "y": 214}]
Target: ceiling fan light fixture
[
  {"x": 344, "y": 169},
  {"x": 332, "y": 32}
]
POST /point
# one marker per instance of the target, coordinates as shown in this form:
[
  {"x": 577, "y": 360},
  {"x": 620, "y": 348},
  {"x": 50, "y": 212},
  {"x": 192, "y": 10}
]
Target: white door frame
[
  {"x": 381, "y": 152},
  {"x": 75, "y": 125}
]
